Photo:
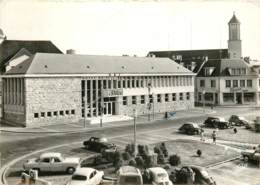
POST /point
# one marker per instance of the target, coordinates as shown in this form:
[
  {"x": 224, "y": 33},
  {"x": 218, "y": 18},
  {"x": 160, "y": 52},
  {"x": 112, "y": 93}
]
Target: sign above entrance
[
  {"x": 239, "y": 89},
  {"x": 112, "y": 92}
]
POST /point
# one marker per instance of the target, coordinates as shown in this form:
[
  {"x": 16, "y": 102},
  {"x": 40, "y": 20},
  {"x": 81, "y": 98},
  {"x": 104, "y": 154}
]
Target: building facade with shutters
[{"x": 59, "y": 88}]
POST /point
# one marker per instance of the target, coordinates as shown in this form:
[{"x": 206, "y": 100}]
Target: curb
[{"x": 222, "y": 162}]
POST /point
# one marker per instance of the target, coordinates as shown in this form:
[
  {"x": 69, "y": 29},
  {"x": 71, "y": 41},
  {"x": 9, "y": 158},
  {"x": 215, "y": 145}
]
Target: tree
[{"x": 175, "y": 160}]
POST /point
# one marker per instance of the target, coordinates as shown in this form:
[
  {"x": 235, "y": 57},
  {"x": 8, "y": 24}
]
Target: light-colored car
[
  {"x": 159, "y": 176},
  {"x": 129, "y": 175},
  {"x": 86, "y": 176},
  {"x": 52, "y": 162}
]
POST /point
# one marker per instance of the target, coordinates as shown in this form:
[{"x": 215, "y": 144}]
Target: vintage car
[
  {"x": 180, "y": 176},
  {"x": 159, "y": 176},
  {"x": 238, "y": 120},
  {"x": 216, "y": 122},
  {"x": 190, "y": 129},
  {"x": 252, "y": 155},
  {"x": 99, "y": 145},
  {"x": 52, "y": 162},
  {"x": 86, "y": 176},
  {"x": 129, "y": 175}
]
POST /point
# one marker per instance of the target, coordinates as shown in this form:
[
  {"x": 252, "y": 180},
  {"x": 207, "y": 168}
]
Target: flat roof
[{"x": 53, "y": 64}]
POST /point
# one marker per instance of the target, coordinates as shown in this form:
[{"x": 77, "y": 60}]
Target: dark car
[
  {"x": 238, "y": 120},
  {"x": 180, "y": 176},
  {"x": 190, "y": 128},
  {"x": 99, "y": 145},
  {"x": 216, "y": 122}
]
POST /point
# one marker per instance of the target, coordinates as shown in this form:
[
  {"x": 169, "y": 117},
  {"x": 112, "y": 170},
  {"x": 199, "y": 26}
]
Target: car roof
[
  {"x": 50, "y": 154},
  {"x": 193, "y": 124},
  {"x": 129, "y": 170},
  {"x": 84, "y": 171},
  {"x": 157, "y": 170},
  {"x": 196, "y": 167}
]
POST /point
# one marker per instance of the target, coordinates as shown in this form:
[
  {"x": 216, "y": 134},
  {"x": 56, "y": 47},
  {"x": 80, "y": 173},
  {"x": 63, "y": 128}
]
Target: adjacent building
[
  {"x": 60, "y": 88},
  {"x": 223, "y": 77}
]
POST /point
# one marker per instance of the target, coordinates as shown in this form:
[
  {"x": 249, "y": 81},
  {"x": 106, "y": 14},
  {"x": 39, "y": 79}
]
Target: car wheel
[
  {"x": 70, "y": 170},
  {"x": 196, "y": 132},
  {"x": 246, "y": 158}
]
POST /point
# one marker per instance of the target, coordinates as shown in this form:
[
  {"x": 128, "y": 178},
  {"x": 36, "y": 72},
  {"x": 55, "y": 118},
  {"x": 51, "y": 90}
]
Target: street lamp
[
  {"x": 135, "y": 115},
  {"x": 204, "y": 92},
  {"x": 149, "y": 104}
]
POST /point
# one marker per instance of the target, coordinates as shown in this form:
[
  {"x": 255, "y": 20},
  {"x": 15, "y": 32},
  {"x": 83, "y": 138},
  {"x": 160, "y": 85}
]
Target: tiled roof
[
  {"x": 8, "y": 48},
  {"x": 233, "y": 20},
  {"x": 43, "y": 63},
  {"x": 221, "y": 67}
]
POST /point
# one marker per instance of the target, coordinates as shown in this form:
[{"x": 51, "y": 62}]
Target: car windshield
[
  {"x": 103, "y": 140},
  {"x": 241, "y": 118},
  {"x": 221, "y": 119},
  {"x": 204, "y": 173},
  {"x": 163, "y": 183},
  {"x": 161, "y": 175},
  {"x": 79, "y": 177}
]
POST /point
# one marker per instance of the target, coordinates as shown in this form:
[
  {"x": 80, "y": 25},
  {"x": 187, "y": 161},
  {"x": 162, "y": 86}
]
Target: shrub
[
  {"x": 139, "y": 161},
  {"x": 175, "y": 160},
  {"x": 130, "y": 148},
  {"x": 132, "y": 162},
  {"x": 164, "y": 149},
  {"x": 199, "y": 152},
  {"x": 117, "y": 157},
  {"x": 157, "y": 150},
  {"x": 118, "y": 164},
  {"x": 148, "y": 162},
  {"x": 143, "y": 150},
  {"x": 160, "y": 159},
  {"x": 126, "y": 156}
]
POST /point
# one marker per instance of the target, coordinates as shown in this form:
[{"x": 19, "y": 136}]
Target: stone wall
[{"x": 47, "y": 96}]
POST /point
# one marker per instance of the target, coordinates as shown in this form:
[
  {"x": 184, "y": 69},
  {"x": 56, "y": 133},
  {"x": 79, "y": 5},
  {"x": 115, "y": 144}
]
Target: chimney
[{"x": 71, "y": 52}]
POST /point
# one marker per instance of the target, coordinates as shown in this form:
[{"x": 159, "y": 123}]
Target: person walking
[
  {"x": 214, "y": 137},
  {"x": 202, "y": 135},
  {"x": 235, "y": 130}
]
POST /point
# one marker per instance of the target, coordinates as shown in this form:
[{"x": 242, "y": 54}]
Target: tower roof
[{"x": 233, "y": 19}]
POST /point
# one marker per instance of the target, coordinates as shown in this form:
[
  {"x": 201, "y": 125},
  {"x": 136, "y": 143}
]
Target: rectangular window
[
  {"x": 181, "y": 96},
  {"x": 128, "y": 82},
  {"x": 42, "y": 114},
  {"x": 104, "y": 84},
  {"x": 67, "y": 112},
  {"x": 72, "y": 111},
  {"x": 36, "y": 115},
  {"x": 249, "y": 83},
  {"x": 124, "y": 83},
  {"x": 142, "y": 99},
  {"x": 133, "y": 82},
  {"x": 228, "y": 83},
  {"x": 202, "y": 83},
  {"x": 187, "y": 96},
  {"x": 242, "y": 83},
  {"x": 235, "y": 83},
  {"x": 124, "y": 100},
  {"x": 55, "y": 113},
  {"x": 151, "y": 98},
  {"x": 166, "y": 98},
  {"x": 114, "y": 84},
  {"x": 137, "y": 83},
  {"x": 108, "y": 85},
  {"x": 61, "y": 113},
  {"x": 119, "y": 83},
  {"x": 173, "y": 96},
  {"x": 158, "y": 98},
  {"x": 49, "y": 114},
  {"x": 213, "y": 83},
  {"x": 243, "y": 71},
  {"x": 134, "y": 100}
]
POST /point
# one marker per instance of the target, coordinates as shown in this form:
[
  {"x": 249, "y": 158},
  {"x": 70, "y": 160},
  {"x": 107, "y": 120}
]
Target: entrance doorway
[
  {"x": 109, "y": 106},
  {"x": 239, "y": 98}
]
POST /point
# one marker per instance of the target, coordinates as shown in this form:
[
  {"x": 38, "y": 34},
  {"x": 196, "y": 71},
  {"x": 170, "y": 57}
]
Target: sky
[{"x": 132, "y": 27}]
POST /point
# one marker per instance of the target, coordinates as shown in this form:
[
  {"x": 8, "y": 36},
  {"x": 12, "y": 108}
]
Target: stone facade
[{"x": 50, "y": 98}]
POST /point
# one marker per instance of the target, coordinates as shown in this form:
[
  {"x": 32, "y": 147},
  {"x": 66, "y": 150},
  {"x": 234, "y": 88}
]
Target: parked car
[
  {"x": 99, "y": 145},
  {"x": 201, "y": 175},
  {"x": 251, "y": 155},
  {"x": 129, "y": 175},
  {"x": 86, "y": 176},
  {"x": 159, "y": 176},
  {"x": 237, "y": 120},
  {"x": 190, "y": 128},
  {"x": 97, "y": 161},
  {"x": 52, "y": 162},
  {"x": 216, "y": 122}
]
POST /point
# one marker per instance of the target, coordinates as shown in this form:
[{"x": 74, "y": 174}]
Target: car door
[
  {"x": 45, "y": 164},
  {"x": 56, "y": 165},
  {"x": 92, "y": 178}
]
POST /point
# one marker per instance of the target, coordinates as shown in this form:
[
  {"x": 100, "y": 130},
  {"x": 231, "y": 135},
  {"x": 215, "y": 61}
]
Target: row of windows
[
  {"x": 236, "y": 83},
  {"x": 154, "y": 81},
  {"x": 54, "y": 113},
  {"x": 158, "y": 98},
  {"x": 238, "y": 71},
  {"x": 239, "y": 83}
]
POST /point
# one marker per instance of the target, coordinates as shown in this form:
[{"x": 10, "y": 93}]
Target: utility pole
[{"x": 134, "y": 112}]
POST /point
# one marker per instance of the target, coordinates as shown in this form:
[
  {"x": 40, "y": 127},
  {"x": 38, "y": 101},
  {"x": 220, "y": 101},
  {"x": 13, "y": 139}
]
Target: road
[{"x": 27, "y": 143}]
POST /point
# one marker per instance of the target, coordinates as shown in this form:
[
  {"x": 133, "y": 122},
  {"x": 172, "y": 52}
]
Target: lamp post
[
  {"x": 134, "y": 112},
  {"x": 204, "y": 92},
  {"x": 149, "y": 104}
]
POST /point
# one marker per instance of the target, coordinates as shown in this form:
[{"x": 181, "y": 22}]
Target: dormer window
[
  {"x": 208, "y": 71},
  {"x": 237, "y": 71}
]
